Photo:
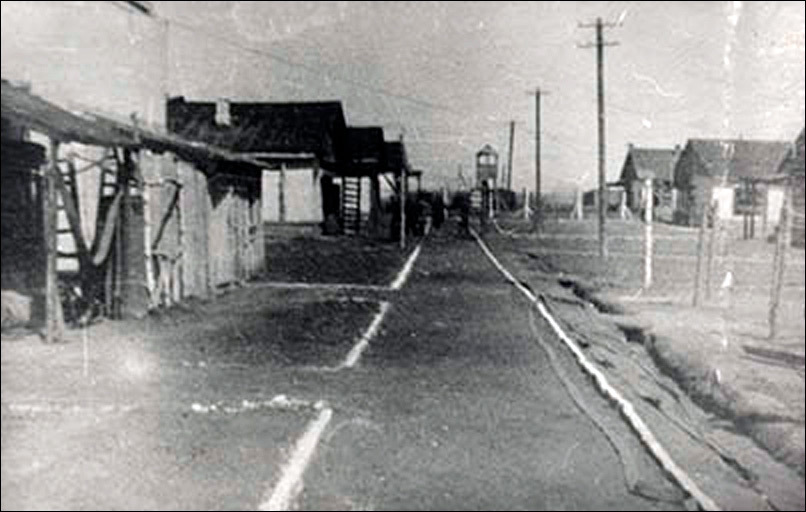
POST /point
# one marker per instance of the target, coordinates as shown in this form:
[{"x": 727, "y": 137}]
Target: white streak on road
[
  {"x": 362, "y": 344},
  {"x": 627, "y": 409},
  {"x": 401, "y": 278},
  {"x": 290, "y": 484}
]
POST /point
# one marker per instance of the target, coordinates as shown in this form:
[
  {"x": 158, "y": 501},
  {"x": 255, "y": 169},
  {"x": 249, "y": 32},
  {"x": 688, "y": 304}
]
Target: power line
[{"x": 311, "y": 69}]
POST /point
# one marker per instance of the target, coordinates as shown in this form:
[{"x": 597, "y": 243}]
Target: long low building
[{"x": 174, "y": 218}]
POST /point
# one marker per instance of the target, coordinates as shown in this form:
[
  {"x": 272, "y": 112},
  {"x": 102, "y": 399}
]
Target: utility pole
[
  {"x": 538, "y": 217},
  {"x": 511, "y": 149},
  {"x": 600, "y": 44}
]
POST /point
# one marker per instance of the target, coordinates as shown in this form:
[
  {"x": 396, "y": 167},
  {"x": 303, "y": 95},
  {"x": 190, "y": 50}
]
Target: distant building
[
  {"x": 794, "y": 167},
  {"x": 732, "y": 172},
  {"x": 658, "y": 165}
]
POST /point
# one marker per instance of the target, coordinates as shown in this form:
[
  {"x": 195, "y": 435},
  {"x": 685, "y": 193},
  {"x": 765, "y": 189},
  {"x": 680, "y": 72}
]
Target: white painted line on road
[
  {"x": 401, "y": 278},
  {"x": 290, "y": 484},
  {"x": 627, "y": 409},
  {"x": 362, "y": 344}
]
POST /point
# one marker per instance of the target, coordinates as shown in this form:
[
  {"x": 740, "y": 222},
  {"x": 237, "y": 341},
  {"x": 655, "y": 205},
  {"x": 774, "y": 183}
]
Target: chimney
[{"x": 222, "y": 112}]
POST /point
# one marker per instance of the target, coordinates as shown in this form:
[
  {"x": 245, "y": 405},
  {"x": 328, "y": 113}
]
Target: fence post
[
  {"x": 700, "y": 256},
  {"x": 709, "y": 269},
  {"x": 782, "y": 242},
  {"x": 648, "y": 234},
  {"x": 525, "y": 204}
]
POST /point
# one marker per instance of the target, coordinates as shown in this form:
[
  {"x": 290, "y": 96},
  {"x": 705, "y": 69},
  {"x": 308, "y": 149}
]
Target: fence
[{"x": 709, "y": 266}]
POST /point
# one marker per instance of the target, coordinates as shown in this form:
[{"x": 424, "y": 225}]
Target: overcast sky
[{"x": 452, "y": 74}]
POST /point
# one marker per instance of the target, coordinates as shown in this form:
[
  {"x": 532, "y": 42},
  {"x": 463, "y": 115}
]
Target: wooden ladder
[{"x": 351, "y": 205}]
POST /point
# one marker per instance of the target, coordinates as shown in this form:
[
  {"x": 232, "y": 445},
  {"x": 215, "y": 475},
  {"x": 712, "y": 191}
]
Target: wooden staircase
[{"x": 351, "y": 206}]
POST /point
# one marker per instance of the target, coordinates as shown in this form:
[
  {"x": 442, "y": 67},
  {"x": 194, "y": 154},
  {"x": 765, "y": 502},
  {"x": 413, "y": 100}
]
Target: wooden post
[
  {"x": 180, "y": 242},
  {"x": 374, "y": 204},
  {"x": 511, "y": 151},
  {"x": 145, "y": 191},
  {"x": 709, "y": 269},
  {"x": 745, "y": 217},
  {"x": 648, "y": 234},
  {"x": 404, "y": 178},
  {"x": 782, "y": 243},
  {"x": 752, "y": 209},
  {"x": 54, "y": 319},
  {"x": 494, "y": 198},
  {"x": 538, "y": 213},
  {"x": 700, "y": 256},
  {"x": 281, "y": 192},
  {"x": 765, "y": 212},
  {"x": 525, "y": 204}
]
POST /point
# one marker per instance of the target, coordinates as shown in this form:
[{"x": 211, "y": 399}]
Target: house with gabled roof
[
  {"x": 734, "y": 174},
  {"x": 655, "y": 164},
  {"x": 793, "y": 168}
]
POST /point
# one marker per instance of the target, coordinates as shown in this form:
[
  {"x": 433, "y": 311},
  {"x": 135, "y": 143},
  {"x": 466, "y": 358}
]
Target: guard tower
[
  {"x": 486, "y": 166},
  {"x": 486, "y": 178}
]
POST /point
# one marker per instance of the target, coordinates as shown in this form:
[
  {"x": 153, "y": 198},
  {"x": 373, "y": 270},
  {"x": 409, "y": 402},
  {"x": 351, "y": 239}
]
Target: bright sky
[{"x": 452, "y": 74}]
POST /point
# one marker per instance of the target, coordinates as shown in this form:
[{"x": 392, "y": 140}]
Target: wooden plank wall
[
  {"x": 195, "y": 215},
  {"x": 205, "y": 232}
]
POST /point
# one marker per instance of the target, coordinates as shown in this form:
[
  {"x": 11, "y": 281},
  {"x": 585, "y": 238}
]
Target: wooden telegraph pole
[
  {"x": 599, "y": 25},
  {"x": 511, "y": 150},
  {"x": 650, "y": 199},
  {"x": 538, "y": 217}
]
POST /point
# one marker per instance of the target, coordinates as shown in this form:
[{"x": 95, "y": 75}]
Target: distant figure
[
  {"x": 464, "y": 207},
  {"x": 438, "y": 210}
]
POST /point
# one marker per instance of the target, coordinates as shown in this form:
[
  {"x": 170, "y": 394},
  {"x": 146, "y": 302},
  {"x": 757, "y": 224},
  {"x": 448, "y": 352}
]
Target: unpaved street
[
  {"x": 455, "y": 406},
  {"x": 452, "y": 405}
]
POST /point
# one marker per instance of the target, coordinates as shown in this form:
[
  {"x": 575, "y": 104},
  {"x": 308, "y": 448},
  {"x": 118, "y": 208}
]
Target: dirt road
[{"x": 455, "y": 406}]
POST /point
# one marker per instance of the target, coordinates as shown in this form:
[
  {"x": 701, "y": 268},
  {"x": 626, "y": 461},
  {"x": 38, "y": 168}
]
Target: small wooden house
[
  {"x": 793, "y": 167},
  {"x": 654, "y": 164},
  {"x": 733, "y": 173}
]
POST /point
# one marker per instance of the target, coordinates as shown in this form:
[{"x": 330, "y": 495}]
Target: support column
[{"x": 54, "y": 319}]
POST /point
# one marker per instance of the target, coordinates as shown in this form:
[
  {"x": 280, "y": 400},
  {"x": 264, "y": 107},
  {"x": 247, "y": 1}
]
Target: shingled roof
[
  {"x": 316, "y": 128},
  {"x": 651, "y": 163},
  {"x": 800, "y": 155},
  {"x": 738, "y": 158},
  {"x": 366, "y": 149}
]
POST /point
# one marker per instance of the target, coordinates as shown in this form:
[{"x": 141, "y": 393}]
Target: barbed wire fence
[{"x": 715, "y": 265}]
